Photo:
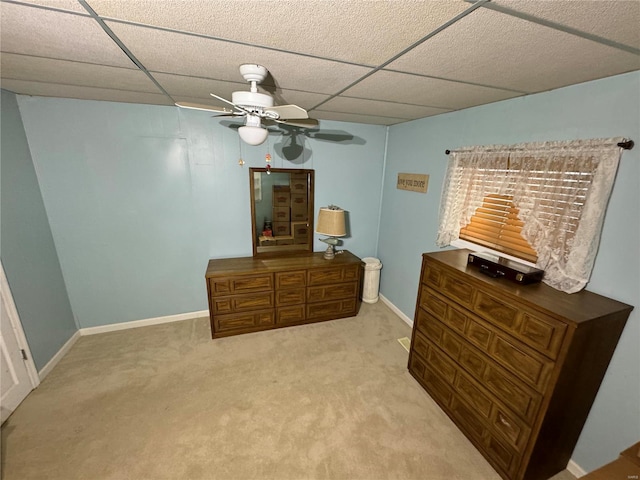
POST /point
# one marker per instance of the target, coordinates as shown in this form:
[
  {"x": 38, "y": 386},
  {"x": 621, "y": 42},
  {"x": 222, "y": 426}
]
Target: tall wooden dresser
[
  {"x": 516, "y": 367},
  {"x": 250, "y": 294}
]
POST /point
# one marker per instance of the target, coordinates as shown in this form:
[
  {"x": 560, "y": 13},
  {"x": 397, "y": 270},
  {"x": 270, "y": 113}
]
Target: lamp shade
[
  {"x": 253, "y": 135},
  {"x": 331, "y": 222}
]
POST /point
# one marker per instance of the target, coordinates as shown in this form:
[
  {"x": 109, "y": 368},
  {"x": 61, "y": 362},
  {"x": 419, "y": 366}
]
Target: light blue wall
[
  {"x": 27, "y": 249},
  {"x": 409, "y": 221},
  {"x": 140, "y": 197}
]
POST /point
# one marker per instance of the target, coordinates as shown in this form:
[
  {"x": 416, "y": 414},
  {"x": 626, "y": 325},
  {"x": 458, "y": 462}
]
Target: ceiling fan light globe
[{"x": 253, "y": 135}]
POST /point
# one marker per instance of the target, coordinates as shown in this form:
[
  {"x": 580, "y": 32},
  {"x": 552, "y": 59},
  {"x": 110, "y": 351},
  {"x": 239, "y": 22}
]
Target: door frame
[{"x": 18, "y": 331}]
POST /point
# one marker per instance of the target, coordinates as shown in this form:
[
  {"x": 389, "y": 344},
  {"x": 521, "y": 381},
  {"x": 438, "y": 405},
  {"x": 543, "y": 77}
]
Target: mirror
[{"x": 281, "y": 211}]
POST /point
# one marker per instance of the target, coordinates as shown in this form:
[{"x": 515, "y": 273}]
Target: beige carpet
[{"x": 331, "y": 400}]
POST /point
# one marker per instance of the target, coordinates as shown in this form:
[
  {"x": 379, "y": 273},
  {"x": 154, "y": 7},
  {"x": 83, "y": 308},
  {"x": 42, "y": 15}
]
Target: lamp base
[{"x": 329, "y": 253}]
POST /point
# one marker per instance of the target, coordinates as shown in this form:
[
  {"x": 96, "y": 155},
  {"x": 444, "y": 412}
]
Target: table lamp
[{"x": 331, "y": 223}]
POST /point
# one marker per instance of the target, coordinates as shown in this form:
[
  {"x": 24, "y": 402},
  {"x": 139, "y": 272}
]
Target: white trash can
[{"x": 371, "y": 282}]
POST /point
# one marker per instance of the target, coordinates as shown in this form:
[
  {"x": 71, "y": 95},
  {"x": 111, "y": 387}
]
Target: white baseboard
[
  {"x": 575, "y": 469},
  {"x": 112, "y": 328},
  {"x": 44, "y": 371},
  {"x": 396, "y": 310},
  {"x": 143, "y": 323}
]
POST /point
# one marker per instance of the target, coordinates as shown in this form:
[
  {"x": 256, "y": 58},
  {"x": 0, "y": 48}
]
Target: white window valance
[{"x": 560, "y": 188}]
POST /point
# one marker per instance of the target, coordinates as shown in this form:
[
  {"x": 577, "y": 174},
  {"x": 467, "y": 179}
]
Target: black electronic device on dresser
[{"x": 516, "y": 367}]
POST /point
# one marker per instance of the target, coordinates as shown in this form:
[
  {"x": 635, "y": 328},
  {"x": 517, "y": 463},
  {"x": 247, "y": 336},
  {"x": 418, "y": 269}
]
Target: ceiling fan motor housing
[
  {"x": 253, "y": 73},
  {"x": 252, "y": 99}
]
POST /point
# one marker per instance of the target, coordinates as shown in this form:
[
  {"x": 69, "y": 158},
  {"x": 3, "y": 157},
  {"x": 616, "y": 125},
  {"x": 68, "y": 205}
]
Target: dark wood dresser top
[
  {"x": 251, "y": 265},
  {"x": 576, "y": 307}
]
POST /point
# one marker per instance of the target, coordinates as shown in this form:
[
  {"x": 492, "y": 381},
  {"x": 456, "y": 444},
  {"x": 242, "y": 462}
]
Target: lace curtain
[{"x": 561, "y": 189}]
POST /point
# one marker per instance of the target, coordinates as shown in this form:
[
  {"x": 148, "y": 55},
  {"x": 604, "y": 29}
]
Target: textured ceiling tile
[
  {"x": 359, "y": 31},
  {"x": 617, "y": 20},
  {"x": 413, "y": 89},
  {"x": 72, "y": 5},
  {"x": 379, "y": 108},
  {"x": 495, "y": 49},
  {"x": 24, "y": 67},
  {"x": 195, "y": 87},
  {"x": 354, "y": 118},
  {"x": 45, "y": 33},
  {"x": 83, "y": 93},
  {"x": 169, "y": 52}
]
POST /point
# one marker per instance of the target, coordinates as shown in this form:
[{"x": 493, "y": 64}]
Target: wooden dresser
[
  {"x": 251, "y": 294},
  {"x": 516, "y": 367}
]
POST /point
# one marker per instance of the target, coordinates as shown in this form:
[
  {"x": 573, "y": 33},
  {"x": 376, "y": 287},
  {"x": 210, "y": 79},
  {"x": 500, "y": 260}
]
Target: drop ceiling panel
[
  {"x": 617, "y": 20},
  {"x": 431, "y": 92},
  {"x": 72, "y": 5},
  {"x": 169, "y": 52},
  {"x": 83, "y": 93},
  {"x": 360, "y": 32},
  {"x": 355, "y": 118},
  {"x": 46, "y": 33},
  {"x": 492, "y": 48},
  {"x": 24, "y": 67},
  {"x": 197, "y": 88},
  {"x": 375, "y": 107}
]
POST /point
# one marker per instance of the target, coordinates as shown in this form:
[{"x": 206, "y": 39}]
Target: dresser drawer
[
  {"x": 331, "y": 275},
  {"x": 468, "y": 420},
  {"x": 290, "y": 296},
  {"x": 533, "y": 369},
  {"x": 225, "y": 323},
  {"x": 292, "y": 279},
  {"x": 432, "y": 275},
  {"x": 437, "y": 388},
  {"x": 238, "y": 303},
  {"x": 539, "y": 331},
  {"x": 240, "y": 284},
  {"x": 514, "y": 431},
  {"x": 498, "y": 454},
  {"x": 332, "y": 292},
  {"x": 429, "y": 326},
  {"x": 293, "y": 314},
  {"x": 522, "y": 400},
  {"x": 501, "y": 455},
  {"x": 457, "y": 289},
  {"x": 432, "y": 303},
  {"x": 336, "y": 309},
  {"x": 474, "y": 395}
]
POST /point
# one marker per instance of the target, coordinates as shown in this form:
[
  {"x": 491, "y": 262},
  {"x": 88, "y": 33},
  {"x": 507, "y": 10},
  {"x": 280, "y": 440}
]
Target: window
[
  {"x": 542, "y": 202},
  {"x": 496, "y": 225}
]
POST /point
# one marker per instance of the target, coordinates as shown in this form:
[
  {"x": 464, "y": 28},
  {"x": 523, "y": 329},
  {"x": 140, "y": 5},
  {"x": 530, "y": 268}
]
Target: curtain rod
[{"x": 626, "y": 145}]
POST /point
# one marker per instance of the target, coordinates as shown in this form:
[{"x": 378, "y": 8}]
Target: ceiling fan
[{"x": 256, "y": 107}]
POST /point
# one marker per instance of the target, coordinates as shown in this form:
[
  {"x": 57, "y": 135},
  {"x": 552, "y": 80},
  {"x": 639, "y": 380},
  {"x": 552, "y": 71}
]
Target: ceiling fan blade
[
  {"x": 331, "y": 136},
  {"x": 303, "y": 123},
  {"x": 287, "y": 112},
  {"x": 237, "y": 107},
  {"x": 201, "y": 106}
]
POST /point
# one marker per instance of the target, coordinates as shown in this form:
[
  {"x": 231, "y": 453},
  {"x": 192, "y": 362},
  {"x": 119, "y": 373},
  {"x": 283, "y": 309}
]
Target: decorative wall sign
[{"x": 415, "y": 182}]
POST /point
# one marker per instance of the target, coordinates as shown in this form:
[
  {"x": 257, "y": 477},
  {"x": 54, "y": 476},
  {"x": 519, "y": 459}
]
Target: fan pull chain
[
  {"x": 240, "y": 160},
  {"x": 267, "y": 158}
]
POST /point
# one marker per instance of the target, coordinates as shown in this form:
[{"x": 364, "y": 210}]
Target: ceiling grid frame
[{"x": 332, "y": 84}]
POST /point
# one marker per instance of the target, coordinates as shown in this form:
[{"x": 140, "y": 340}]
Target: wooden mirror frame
[{"x": 260, "y": 250}]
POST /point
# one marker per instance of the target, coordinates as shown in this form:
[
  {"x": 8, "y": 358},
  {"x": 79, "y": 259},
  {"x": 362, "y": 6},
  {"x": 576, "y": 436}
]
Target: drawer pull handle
[{"x": 503, "y": 421}]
